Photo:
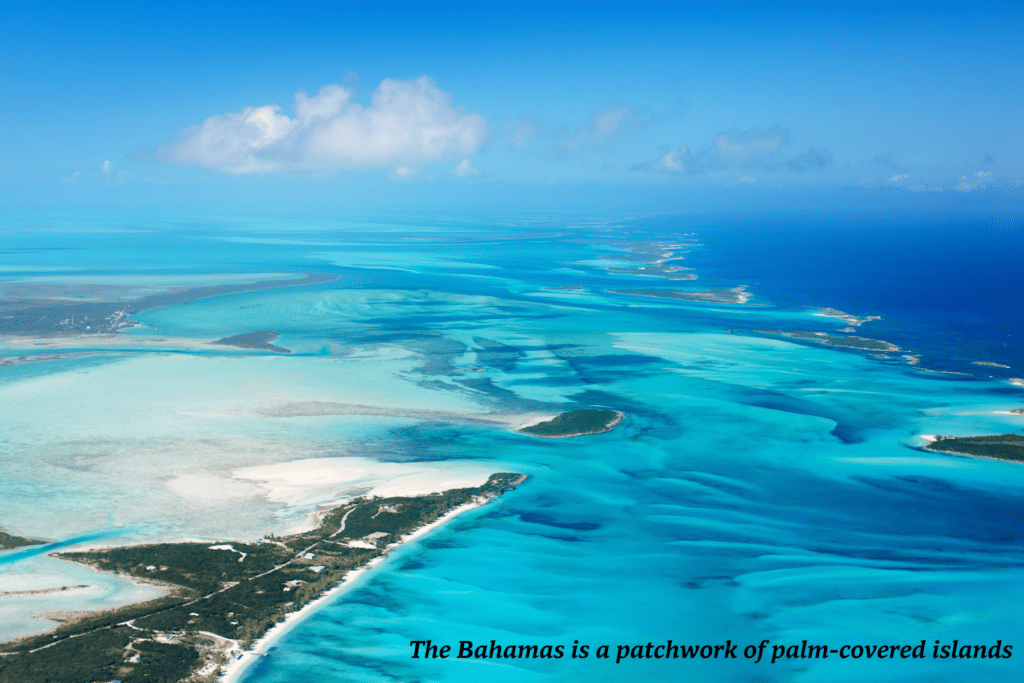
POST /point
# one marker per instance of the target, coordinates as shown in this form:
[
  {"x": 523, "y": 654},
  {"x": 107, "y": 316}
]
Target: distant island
[
  {"x": 735, "y": 295},
  {"x": 9, "y": 541},
  {"x": 990, "y": 364},
  {"x": 658, "y": 259},
  {"x": 575, "y": 423},
  {"x": 34, "y": 317},
  {"x": 998, "y": 446},
  {"x": 254, "y": 340},
  {"x": 851, "y": 342},
  {"x": 224, "y": 595}
]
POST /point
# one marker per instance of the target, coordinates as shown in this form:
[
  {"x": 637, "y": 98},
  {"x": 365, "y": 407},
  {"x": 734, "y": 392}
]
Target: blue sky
[{"x": 637, "y": 105}]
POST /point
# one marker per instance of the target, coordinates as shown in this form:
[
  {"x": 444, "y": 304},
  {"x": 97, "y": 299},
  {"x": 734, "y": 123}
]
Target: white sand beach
[{"x": 232, "y": 671}]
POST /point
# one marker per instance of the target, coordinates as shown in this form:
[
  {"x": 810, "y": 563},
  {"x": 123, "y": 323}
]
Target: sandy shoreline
[
  {"x": 609, "y": 427},
  {"x": 232, "y": 671}
]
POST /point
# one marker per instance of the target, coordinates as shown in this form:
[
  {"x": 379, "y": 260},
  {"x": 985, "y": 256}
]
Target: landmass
[
  {"x": 565, "y": 288},
  {"x": 993, "y": 365},
  {"x": 735, "y": 295},
  {"x": 1016, "y": 381},
  {"x": 852, "y": 342},
  {"x": 997, "y": 446},
  {"x": 254, "y": 340},
  {"x": 60, "y": 317},
  {"x": 852, "y": 321},
  {"x": 224, "y": 595},
  {"x": 657, "y": 257},
  {"x": 8, "y": 541},
  {"x": 575, "y": 423},
  {"x": 1018, "y": 411}
]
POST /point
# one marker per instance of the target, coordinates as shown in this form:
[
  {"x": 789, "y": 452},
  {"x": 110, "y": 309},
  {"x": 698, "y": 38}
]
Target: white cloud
[
  {"x": 899, "y": 177},
  {"x": 403, "y": 173},
  {"x": 74, "y": 178},
  {"x": 106, "y": 166},
  {"x": 741, "y": 145},
  {"x": 670, "y": 162},
  {"x": 739, "y": 149},
  {"x": 522, "y": 131},
  {"x": 601, "y": 126},
  {"x": 465, "y": 169},
  {"x": 407, "y": 124},
  {"x": 979, "y": 180}
]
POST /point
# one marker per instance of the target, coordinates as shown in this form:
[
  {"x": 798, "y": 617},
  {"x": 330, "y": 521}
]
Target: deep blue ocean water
[{"x": 759, "y": 488}]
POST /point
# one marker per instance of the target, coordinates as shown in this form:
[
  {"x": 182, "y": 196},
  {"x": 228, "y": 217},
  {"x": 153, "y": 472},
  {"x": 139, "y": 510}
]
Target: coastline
[
  {"x": 233, "y": 670},
  {"x": 611, "y": 425},
  {"x": 932, "y": 438}
]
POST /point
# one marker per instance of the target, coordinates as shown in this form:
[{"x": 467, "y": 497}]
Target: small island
[
  {"x": 575, "y": 423},
  {"x": 223, "y": 595},
  {"x": 996, "y": 446},
  {"x": 735, "y": 295},
  {"x": 990, "y": 364},
  {"x": 259, "y": 340},
  {"x": 851, "y": 342},
  {"x": 9, "y": 541}
]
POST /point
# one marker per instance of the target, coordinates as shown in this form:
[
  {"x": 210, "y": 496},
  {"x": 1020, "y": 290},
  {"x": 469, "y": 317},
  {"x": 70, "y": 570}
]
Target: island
[
  {"x": 990, "y": 364},
  {"x": 735, "y": 295},
  {"x": 996, "y": 446},
  {"x": 851, "y": 321},
  {"x": 9, "y": 541},
  {"x": 851, "y": 342},
  {"x": 58, "y": 317},
  {"x": 575, "y": 423},
  {"x": 225, "y": 595},
  {"x": 254, "y": 340},
  {"x": 1018, "y": 411}
]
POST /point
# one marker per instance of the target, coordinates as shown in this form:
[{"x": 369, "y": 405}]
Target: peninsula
[
  {"x": 9, "y": 541},
  {"x": 223, "y": 595},
  {"x": 575, "y": 423}
]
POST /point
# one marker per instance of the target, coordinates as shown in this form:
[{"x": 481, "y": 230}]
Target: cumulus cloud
[
  {"x": 465, "y": 169},
  {"x": 407, "y": 124},
  {"x": 751, "y": 149}
]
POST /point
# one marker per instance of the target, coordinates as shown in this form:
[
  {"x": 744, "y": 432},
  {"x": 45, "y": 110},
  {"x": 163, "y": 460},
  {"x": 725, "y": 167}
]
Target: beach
[{"x": 233, "y": 671}]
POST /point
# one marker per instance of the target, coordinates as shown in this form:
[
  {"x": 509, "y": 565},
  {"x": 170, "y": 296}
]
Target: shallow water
[{"x": 758, "y": 489}]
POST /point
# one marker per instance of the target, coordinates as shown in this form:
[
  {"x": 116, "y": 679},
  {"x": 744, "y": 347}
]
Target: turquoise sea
[{"x": 760, "y": 487}]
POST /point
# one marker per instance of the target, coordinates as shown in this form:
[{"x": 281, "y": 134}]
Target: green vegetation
[
  {"x": 1001, "y": 446},
  {"x": 862, "y": 343},
  {"x": 254, "y": 340},
  {"x": 8, "y": 541},
  {"x": 736, "y": 295},
  {"x": 233, "y": 590},
  {"x": 575, "y": 423}
]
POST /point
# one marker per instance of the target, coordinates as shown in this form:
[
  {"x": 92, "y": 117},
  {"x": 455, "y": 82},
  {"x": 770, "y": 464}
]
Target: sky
[{"x": 623, "y": 106}]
